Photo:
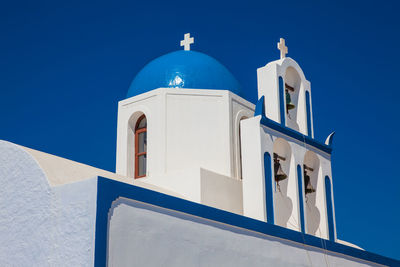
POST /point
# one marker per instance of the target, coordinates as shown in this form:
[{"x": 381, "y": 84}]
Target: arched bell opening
[
  {"x": 137, "y": 155},
  {"x": 292, "y": 84},
  {"x": 283, "y": 205},
  {"x": 310, "y": 175}
]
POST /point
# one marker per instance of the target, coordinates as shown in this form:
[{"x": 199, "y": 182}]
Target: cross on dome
[
  {"x": 282, "y": 48},
  {"x": 187, "y": 41}
]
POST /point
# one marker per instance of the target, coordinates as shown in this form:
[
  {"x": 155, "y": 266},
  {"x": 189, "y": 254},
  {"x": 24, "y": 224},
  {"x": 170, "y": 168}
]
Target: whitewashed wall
[
  {"x": 144, "y": 235},
  {"x": 43, "y": 225},
  {"x": 187, "y": 128}
]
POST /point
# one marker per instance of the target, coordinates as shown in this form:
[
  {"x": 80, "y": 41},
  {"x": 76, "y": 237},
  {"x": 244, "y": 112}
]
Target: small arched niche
[
  {"x": 283, "y": 205},
  {"x": 292, "y": 84},
  {"x": 239, "y": 147},
  {"x": 310, "y": 175},
  {"x": 137, "y": 145}
]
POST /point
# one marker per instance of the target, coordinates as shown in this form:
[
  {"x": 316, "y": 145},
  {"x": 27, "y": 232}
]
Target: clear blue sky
[{"x": 65, "y": 65}]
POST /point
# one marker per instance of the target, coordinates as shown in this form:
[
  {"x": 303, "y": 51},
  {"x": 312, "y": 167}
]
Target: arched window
[{"x": 140, "y": 147}]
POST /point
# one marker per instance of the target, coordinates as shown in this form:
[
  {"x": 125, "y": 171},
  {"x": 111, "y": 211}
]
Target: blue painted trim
[
  {"x": 260, "y": 107},
  {"x": 285, "y": 130},
  {"x": 329, "y": 208},
  {"x": 282, "y": 107},
  {"x": 109, "y": 190},
  {"x": 269, "y": 195},
  {"x": 301, "y": 199},
  {"x": 308, "y": 109},
  {"x": 294, "y": 134}
]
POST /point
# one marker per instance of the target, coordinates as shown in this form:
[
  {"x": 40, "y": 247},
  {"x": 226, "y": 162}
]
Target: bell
[
  {"x": 307, "y": 182},
  {"x": 279, "y": 174},
  {"x": 289, "y": 104}
]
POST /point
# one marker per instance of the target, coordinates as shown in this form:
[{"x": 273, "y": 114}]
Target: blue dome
[{"x": 184, "y": 69}]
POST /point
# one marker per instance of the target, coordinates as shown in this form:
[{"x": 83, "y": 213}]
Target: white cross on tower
[
  {"x": 187, "y": 41},
  {"x": 282, "y": 48}
]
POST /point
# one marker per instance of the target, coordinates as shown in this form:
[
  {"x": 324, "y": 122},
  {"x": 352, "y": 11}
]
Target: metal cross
[
  {"x": 187, "y": 41},
  {"x": 282, "y": 48}
]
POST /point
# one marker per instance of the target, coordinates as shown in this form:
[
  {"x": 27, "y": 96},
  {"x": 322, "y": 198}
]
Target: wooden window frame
[{"x": 137, "y": 154}]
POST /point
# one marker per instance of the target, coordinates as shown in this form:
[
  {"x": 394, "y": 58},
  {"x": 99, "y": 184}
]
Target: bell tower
[
  {"x": 287, "y": 93},
  {"x": 287, "y": 177}
]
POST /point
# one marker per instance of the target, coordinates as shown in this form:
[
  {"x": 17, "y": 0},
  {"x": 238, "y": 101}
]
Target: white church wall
[
  {"x": 254, "y": 205},
  {"x": 221, "y": 192},
  {"x": 188, "y": 130},
  {"x": 201, "y": 186},
  {"x": 198, "y": 130},
  {"x": 185, "y": 183},
  {"x": 40, "y": 224},
  {"x": 146, "y": 235},
  {"x": 267, "y": 83}
]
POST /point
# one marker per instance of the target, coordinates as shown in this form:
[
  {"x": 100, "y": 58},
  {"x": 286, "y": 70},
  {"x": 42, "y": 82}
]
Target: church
[{"x": 203, "y": 178}]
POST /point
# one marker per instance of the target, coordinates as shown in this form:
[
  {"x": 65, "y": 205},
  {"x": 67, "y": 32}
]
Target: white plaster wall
[
  {"x": 42, "y": 225},
  {"x": 268, "y": 85},
  {"x": 221, "y": 192},
  {"x": 202, "y": 186},
  {"x": 144, "y": 235},
  {"x": 197, "y": 131},
  {"x": 254, "y": 205},
  {"x": 187, "y": 128}
]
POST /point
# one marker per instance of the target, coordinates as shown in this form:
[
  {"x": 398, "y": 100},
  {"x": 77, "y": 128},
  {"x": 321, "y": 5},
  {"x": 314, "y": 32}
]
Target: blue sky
[{"x": 65, "y": 65}]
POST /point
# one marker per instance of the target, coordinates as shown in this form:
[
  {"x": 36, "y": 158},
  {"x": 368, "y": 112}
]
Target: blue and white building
[{"x": 203, "y": 178}]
